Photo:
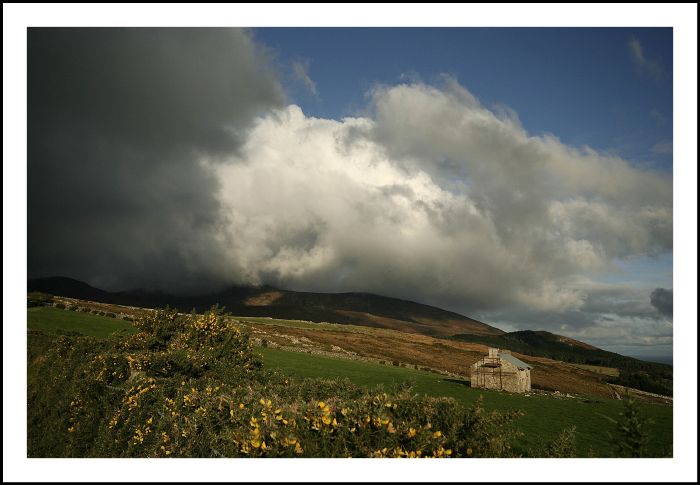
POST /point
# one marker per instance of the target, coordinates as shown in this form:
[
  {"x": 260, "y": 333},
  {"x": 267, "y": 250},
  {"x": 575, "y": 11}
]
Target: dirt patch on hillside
[{"x": 263, "y": 299}]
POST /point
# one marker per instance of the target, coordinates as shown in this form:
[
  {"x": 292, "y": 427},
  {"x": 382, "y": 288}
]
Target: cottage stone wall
[{"x": 506, "y": 377}]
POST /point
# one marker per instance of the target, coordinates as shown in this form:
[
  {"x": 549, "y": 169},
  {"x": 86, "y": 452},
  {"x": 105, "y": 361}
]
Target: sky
[
  {"x": 607, "y": 88},
  {"x": 520, "y": 176}
]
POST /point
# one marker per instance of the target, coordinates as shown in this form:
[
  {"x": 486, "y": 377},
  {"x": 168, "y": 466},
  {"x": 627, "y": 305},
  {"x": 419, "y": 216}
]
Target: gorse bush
[{"x": 191, "y": 386}]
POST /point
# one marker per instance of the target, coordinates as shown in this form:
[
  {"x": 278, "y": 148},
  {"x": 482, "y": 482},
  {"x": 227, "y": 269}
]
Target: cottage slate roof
[{"x": 515, "y": 361}]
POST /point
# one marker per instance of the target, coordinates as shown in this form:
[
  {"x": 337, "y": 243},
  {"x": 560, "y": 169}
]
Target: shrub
[
  {"x": 631, "y": 437},
  {"x": 563, "y": 446},
  {"x": 60, "y": 306},
  {"x": 39, "y": 297},
  {"x": 109, "y": 315}
]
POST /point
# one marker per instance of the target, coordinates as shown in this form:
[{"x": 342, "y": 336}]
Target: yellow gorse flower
[{"x": 442, "y": 452}]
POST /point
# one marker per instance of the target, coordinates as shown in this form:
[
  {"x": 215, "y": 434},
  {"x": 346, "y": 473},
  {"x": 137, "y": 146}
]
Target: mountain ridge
[{"x": 358, "y": 308}]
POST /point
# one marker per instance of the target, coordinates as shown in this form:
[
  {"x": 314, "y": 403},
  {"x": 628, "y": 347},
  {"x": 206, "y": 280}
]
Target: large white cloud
[{"x": 434, "y": 197}]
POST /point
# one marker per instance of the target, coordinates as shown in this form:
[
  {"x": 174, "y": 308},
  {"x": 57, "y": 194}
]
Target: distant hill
[
  {"x": 640, "y": 374},
  {"x": 59, "y": 285},
  {"x": 546, "y": 344},
  {"x": 349, "y": 308}
]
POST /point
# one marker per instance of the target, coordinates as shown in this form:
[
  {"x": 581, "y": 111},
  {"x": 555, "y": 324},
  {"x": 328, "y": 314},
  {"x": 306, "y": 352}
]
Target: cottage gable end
[{"x": 501, "y": 371}]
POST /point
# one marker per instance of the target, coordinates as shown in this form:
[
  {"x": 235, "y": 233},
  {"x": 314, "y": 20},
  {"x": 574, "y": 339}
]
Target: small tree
[
  {"x": 563, "y": 446},
  {"x": 632, "y": 436}
]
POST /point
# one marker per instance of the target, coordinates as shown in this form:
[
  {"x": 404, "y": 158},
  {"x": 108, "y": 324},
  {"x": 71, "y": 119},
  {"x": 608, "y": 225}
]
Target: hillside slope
[{"x": 348, "y": 308}]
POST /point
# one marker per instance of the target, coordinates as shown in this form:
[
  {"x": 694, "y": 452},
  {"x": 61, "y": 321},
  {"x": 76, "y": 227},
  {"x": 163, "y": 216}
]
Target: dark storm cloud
[
  {"x": 662, "y": 300},
  {"x": 118, "y": 121}
]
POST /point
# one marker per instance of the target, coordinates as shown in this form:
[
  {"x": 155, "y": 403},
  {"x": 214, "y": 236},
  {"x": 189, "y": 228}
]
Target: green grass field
[
  {"x": 50, "y": 319},
  {"x": 606, "y": 371},
  {"x": 545, "y": 416}
]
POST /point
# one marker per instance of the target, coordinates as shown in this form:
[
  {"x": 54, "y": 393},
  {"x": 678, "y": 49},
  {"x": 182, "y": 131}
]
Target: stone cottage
[{"x": 500, "y": 370}]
